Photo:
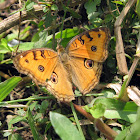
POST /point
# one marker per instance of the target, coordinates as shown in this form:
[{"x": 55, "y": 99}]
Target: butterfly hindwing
[
  {"x": 60, "y": 84},
  {"x": 85, "y": 73}
]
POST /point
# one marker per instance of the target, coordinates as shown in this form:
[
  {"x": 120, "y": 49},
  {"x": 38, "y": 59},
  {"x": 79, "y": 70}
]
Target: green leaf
[
  {"x": 15, "y": 120},
  {"x": 3, "y": 49},
  {"x": 54, "y": 7},
  {"x": 108, "y": 18},
  {"x": 35, "y": 37},
  {"x": 16, "y": 137},
  {"x": 43, "y": 38},
  {"x": 90, "y": 7},
  {"x": 98, "y": 110},
  {"x": 116, "y": 109},
  {"x": 108, "y": 93},
  {"x": 7, "y": 86},
  {"x": 49, "y": 19},
  {"x": 1, "y": 56},
  {"x": 68, "y": 33},
  {"x": 48, "y": 126},
  {"x": 7, "y": 134},
  {"x": 77, "y": 122},
  {"x": 73, "y": 13},
  {"x": 138, "y": 8},
  {"x": 4, "y": 43},
  {"x": 44, "y": 106},
  {"x": 38, "y": 116},
  {"x": 123, "y": 88},
  {"x": 32, "y": 125},
  {"x": 124, "y": 115},
  {"x": 137, "y": 27},
  {"x": 11, "y": 36},
  {"x": 25, "y": 33},
  {"x": 64, "y": 127},
  {"x": 29, "y": 5},
  {"x": 110, "y": 103},
  {"x": 131, "y": 132},
  {"x": 26, "y": 46},
  {"x": 21, "y": 112},
  {"x": 32, "y": 106},
  {"x": 118, "y": 2},
  {"x": 46, "y": 9}
]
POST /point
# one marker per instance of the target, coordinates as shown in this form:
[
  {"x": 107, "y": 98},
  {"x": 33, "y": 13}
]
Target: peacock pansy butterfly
[{"x": 80, "y": 63}]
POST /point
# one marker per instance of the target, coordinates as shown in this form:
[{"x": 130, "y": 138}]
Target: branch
[
  {"x": 120, "y": 54},
  {"x": 13, "y": 20}
]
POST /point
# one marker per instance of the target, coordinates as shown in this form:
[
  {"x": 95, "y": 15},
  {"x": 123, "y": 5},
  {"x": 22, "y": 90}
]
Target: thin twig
[
  {"x": 19, "y": 32},
  {"x": 4, "y": 75}
]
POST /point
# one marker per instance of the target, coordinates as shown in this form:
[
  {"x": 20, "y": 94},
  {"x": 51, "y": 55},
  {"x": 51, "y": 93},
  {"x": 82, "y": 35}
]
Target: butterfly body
[{"x": 80, "y": 63}]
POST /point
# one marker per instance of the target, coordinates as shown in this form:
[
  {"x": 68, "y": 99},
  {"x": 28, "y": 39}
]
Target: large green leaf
[
  {"x": 7, "y": 86},
  {"x": 64, "y": 127},
  {"x": 68, "y": 33},
  {"x": 26, "y": 46},
  {"x": 116, "y": 109},
  {"x": 132, "y": 132}
]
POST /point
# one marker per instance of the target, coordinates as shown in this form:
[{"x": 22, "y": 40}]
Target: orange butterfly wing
[
  {"x": 37, "y": 63},
  {"x": 60, "y": 84},
  {"x": 85, "y": 78},
  {"x": 41, "y": 65},
  {"x": 90, "y": 44},
  {"x": 87, "y": 51}
]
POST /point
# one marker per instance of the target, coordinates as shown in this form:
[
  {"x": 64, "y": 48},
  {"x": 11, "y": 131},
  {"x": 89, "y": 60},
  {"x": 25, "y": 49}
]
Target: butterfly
[{"x": 80, "y": 63}]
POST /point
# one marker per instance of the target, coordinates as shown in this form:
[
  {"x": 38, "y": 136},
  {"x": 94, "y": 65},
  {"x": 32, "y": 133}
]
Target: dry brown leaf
[{"x": 134, "y": 94}]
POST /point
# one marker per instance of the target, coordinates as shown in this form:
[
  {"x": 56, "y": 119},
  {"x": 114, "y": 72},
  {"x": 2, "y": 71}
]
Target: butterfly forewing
[
  {"x": 90, "y": 44},
  {"x": 37, "y": 63}
]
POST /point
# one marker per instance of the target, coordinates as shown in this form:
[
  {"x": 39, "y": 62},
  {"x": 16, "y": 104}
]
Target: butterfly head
[
  {"x": 60, "y": 49},
  {"x": 62, "y": 53}
]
